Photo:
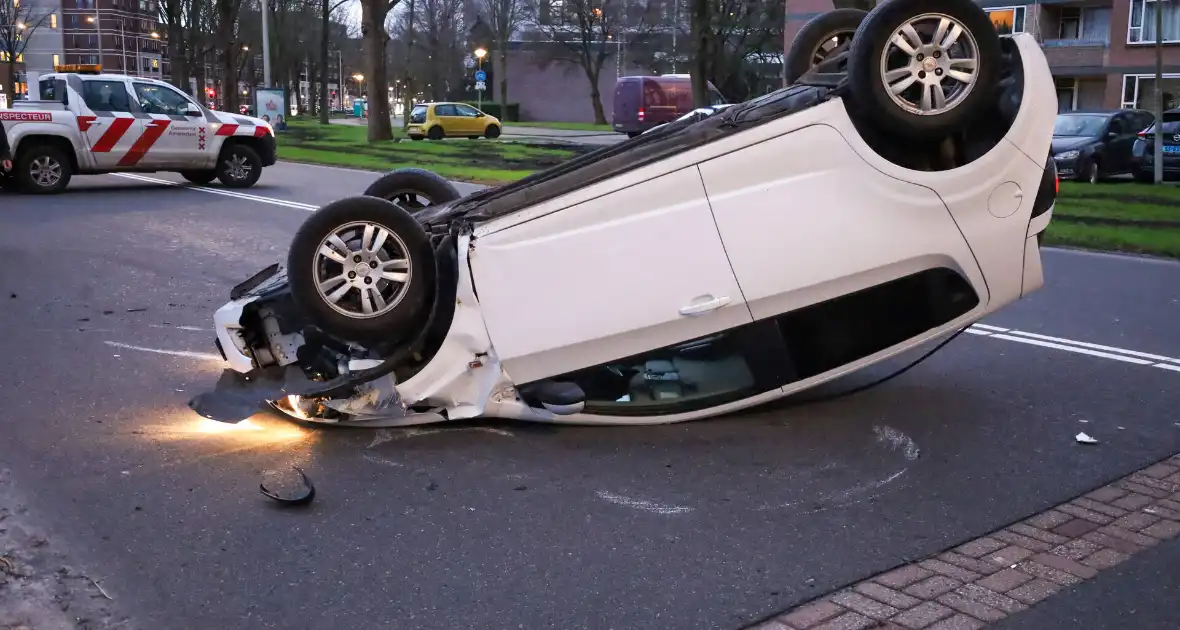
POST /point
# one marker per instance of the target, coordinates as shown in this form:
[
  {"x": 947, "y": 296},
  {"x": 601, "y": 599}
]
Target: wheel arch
[{"x": 65, "y": 145}]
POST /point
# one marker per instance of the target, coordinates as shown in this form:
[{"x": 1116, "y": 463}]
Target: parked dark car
[
  {"x": 1091, "y": 146},
  {"x": 644, "y": 102},
  {"x": 1143, "y": 153}
]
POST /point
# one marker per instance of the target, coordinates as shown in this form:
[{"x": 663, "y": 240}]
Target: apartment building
[
  {"x": 1101, "y": 52},
  {"x": 124, "y": 36}
]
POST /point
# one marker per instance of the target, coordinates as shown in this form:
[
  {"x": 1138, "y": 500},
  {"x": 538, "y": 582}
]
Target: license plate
[{"x": 1174, "y": 149}]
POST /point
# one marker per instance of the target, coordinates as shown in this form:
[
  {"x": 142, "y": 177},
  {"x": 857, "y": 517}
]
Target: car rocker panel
[{"x": 766, "y": 259}]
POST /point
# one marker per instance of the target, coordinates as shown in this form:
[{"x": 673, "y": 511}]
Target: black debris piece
[{"x": 288, "y": 489}]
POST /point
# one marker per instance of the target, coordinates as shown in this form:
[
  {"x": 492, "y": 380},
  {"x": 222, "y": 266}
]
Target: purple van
[{"x": 646, "y": 101}]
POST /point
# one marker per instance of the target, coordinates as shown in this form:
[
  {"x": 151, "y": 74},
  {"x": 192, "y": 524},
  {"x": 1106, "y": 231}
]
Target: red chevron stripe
[
  {"x": 86, "y": 122},
  {"x": 261, "y": 132},
  {"x": 227, "y": 129},
  {"x": 119, "y": 126},
  {"x": 155, "y": 129}
]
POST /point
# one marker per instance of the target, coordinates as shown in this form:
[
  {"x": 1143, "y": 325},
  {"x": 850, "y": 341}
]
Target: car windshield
[
  {"x": 1077, "y": 125},
  {"x": 1171, "y": 124}
]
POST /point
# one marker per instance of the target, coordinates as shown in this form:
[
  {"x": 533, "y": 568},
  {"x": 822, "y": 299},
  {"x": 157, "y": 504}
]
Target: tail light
[{"x": 641, "y": 115}]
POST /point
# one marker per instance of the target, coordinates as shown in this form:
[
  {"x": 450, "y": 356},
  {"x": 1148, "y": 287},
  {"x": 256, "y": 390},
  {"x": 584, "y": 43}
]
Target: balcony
[{"x": 1078, "y": 56}]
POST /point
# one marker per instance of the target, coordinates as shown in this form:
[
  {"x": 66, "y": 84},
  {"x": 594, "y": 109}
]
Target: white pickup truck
[{"x": 89, "y": 123}]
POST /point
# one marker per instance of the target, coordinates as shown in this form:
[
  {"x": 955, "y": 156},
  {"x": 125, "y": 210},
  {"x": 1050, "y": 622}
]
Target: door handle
[{"x": 704, "y": 307}]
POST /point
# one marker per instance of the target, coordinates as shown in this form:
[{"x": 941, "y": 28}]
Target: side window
[
  {"x": 106, "y": 96},
  {"x": 155, "y": 99},
  {"x": 697, "y": 374},
  {"x": 467, "y": 110},
  {"x": 1118, "y": 125},
  {"x": 445, "y": 110}
]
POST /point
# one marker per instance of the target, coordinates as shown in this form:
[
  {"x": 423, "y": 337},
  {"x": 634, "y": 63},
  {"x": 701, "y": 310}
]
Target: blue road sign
[{"x": 480, "y": 75}]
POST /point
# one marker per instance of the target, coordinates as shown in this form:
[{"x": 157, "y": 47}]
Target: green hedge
[{"x": 493, "y": 108}]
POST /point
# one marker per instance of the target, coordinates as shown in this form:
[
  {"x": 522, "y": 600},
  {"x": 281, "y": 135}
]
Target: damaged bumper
[{"x": 278, "y": 359}]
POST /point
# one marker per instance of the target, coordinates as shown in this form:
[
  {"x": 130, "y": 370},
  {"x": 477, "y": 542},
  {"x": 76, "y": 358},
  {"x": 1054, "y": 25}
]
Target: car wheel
[
  {"x": 238, "y": 166},
  {"x": 413, "y": 189},
  {"x": 924, "y": 68},
  {"x": 435, "y": 133},
  {"x": 819, "y": 37},
  {"x": 417, "y": 137},
  {"x": 200, "y": 178},
  {"x": 492, "y": 132},
  {"x": 362, "y": 269},
  {"x": 42, "y": 170}
]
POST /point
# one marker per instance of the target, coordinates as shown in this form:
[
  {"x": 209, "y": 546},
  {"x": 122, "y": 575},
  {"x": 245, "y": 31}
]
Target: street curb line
[{"x": 1009, "y": 570}]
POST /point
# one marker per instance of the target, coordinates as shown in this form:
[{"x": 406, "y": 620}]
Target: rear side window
[
  {"x": 106, "y": 96},
  {"x": 49, "y": 90},
  {"x": 445, "y": 110},
  {"x": 418, "y": 114}
]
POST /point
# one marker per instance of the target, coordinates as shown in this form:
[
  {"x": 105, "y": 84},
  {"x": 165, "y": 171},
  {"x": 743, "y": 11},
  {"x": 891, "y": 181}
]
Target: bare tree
[
  {"x": 376, "y": 37},
  {"x": 587, "y": 32},
  {"x": 327, "y": 8},
  {"x": 503, "y": 18},
  {"x": 18, "y": 23},
  {"x": 730, "y": 38}
]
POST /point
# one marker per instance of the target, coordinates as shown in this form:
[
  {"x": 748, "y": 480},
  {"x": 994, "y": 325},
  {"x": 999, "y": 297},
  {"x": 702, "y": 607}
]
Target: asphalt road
[{"x": 713, "y": 524}]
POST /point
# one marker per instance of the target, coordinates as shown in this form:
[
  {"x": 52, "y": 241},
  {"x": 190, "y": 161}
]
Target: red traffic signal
[{"x": 210, "y": 92}]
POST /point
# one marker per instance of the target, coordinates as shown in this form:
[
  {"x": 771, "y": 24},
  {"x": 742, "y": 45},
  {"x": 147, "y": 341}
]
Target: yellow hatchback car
[{"x": 440, "y": 120}]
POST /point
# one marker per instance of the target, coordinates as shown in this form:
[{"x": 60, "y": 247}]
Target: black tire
[
  {"x": 413, "y": 298},
  {"x": 200, "y": 178},
  {"x": 417, "y": 137},
  {"x": 42, "y": 170},
  {"x": 436, "y": 133},
  {"x": 1091, "y": 174},
  {"x": 492, "y": 132},
  {"x": 413, "y": 189},
  {"x": 234, "y": 154},
  {"x": 866, "y": 81},
  {"x": 841, "y": 23}
]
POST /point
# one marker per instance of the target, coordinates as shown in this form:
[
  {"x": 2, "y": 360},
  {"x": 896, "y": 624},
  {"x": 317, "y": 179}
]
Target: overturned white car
[{"x": 894, "y": 193}]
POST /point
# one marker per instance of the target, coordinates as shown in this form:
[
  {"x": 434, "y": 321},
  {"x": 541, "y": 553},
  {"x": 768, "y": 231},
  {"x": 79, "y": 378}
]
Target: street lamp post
[{"x": 480, "y": 53}]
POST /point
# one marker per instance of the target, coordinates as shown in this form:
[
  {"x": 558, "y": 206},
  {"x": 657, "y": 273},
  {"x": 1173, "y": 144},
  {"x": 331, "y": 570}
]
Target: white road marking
[
  {"x": 1113, "y": 353},
  {"x": 388, "y": 435},
  {"x": 382, "y": 461},
  {"x": 175, "y": 353},
  {"x": 897, "y": 439},
  {"x": 192, "y": 328},
  {"x": 226, "y": 193},
  {"x": 641, "y": 504}
]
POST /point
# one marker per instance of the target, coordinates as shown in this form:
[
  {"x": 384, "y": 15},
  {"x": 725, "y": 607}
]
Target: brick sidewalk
[{"x": 1009, "y": 570}]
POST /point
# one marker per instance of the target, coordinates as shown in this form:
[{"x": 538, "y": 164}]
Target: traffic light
[{"x": 210, "y": 92}]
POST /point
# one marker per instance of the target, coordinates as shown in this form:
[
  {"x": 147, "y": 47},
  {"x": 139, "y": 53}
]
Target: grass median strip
[
  {"x": 1121, "y": 217},
  {"x": 480, "y": 161}
]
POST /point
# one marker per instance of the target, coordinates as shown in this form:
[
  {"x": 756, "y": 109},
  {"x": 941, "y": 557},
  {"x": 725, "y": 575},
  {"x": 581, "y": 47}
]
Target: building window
[
  {"x": 56, "y": 61},
  {"x": 1141, "y": 26},
  {"x": 1070, "y": 24},
  {"x": 1008, "y": 19},
  {"x": 53, "y": 21},
  {"x": 1139, "y": 91},
  {"x": 1067, "y": 93}
]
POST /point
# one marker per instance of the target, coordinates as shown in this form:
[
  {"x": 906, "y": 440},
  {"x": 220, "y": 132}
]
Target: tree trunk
[
  {"x": 699, "y": 70},
  {"x": 375, "y": 38},
  {"x": 595, "y": 95},
  {"x": 324, "y": 32},
  {"x": 10, "y": 83},
  {"x": 227, "y": 18},
  {"x": 503, "y": 79}
]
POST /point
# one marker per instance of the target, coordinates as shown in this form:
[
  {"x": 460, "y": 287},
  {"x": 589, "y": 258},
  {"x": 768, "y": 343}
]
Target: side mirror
[
  {"x": 480, "y": 114},
  {"x": 1112, "y": 134}
]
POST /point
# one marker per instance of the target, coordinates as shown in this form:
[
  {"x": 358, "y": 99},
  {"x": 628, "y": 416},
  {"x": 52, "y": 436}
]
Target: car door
[
  {"x": 111, "y": 128},
  {"x": 1120, "y": 136},
  {"x": 448, "y": 117},
  {"x": 171, "y": 137},
  {"x": 471, "y": 118},
  {"x": 633, "y": 270},
  {"x": 798, "y": 232}
]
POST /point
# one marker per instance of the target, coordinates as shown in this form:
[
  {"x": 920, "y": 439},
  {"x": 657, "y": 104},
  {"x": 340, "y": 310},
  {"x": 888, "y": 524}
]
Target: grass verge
[
  {"x": 1119, "y": 217},
  {"x": 479, "y": 161}
]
